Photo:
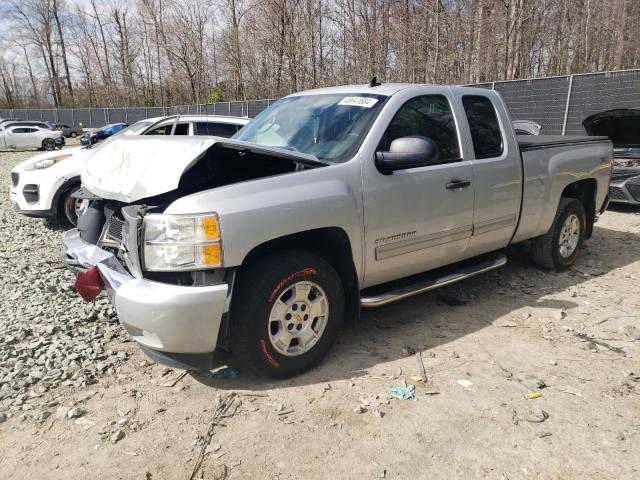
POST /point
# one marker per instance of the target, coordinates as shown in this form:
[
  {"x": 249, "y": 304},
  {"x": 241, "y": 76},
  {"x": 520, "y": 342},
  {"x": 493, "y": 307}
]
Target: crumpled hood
[{"x": 132, "y": 168}]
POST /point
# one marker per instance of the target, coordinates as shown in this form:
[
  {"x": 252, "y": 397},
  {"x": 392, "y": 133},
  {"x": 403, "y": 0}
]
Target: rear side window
[
  {"x": 484, "y": 126},
  {"x": 427, "y": 116},
  {"x": 216, "y": 129}
]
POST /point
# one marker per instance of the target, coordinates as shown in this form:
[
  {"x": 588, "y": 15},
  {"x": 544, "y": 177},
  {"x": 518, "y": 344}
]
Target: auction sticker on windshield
[{"x": 365, "y": 102}]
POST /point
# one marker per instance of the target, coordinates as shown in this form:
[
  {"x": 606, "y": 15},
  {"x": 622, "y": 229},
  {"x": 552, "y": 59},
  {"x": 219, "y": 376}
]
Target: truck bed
[
  {"x": 549, "y": 163},
  {"x": 536, "y": 142}
]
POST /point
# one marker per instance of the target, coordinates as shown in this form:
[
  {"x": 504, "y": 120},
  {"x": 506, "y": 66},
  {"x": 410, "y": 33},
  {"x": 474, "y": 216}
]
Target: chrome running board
[{"x": 424, "y": 282}]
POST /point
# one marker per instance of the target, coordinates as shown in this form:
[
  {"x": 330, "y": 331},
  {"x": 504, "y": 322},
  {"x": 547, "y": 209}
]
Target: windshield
[
  {"x": 331, "y": 126},
  {"x": 136, "y": 128}
]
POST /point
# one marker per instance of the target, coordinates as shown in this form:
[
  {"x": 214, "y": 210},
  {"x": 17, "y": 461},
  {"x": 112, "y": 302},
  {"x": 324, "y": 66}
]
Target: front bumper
[
  {"x": 625, "y": 190},
  {"x": 32, "y": 194},
  {"x": 175, "y": 325}
]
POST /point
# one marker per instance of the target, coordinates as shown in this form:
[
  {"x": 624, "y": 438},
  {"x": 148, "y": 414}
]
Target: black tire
[
  {"x": 258, "y": 288},
  {"x": 545, "y": 250},
  {"x": 48, "y": 144},
  {"x": 67, "y": 209}
]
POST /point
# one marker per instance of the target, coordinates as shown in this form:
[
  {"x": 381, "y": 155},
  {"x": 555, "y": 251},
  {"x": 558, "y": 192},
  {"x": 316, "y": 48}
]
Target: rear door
[
  {"x": 417, "y": 219},
  {"x": 497, "y": 170},
  {"x": 32, "y": 139}
]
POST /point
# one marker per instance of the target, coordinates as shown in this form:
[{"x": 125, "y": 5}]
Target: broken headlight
[{"x": 181, "y": 242}]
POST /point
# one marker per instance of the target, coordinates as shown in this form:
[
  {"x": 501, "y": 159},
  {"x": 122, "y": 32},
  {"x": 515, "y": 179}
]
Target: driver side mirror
[{"x": 407, "y": 152}]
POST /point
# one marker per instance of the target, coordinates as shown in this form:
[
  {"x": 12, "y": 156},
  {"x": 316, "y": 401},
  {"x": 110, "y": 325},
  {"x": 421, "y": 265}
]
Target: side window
[
  {"x": 428, "y": 116},
  {"x": 216, "y": 129},
  {"x": 20, "y": 130},
  {"x": 163, "y": 130},
  {"x": 181, "y": 129},
  {"x": 484, "y": 126}
]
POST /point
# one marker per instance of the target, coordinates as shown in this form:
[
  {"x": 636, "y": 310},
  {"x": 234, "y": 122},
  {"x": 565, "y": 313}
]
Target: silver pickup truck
[{"x": 329, "y": 201}]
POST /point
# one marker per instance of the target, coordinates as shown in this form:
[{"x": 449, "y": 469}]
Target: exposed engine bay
[{"x": 116, "y": 226}]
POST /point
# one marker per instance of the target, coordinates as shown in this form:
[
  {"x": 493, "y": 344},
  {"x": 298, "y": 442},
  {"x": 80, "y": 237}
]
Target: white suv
[{"x": 43, "y": 186}]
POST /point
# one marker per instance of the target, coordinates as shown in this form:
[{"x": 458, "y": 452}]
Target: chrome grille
[
  {"x": 114, "y": 231},
  {"x": 616, "y": 193},
  {"x": 634, "y": 190},
  {"x": 15, "y": 178}
]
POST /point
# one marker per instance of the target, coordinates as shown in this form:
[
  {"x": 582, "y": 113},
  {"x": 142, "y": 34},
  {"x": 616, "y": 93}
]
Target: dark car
[
  {"x": 622, "y": 126},
  {"x": 68, "y": 130},
  {"x": 99, "y": 135},
  {"x": 27, "y": 123},
  {"x": 5, "y": 120}
]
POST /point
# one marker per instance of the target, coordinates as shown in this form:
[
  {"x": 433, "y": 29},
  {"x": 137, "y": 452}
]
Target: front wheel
[
  {"x": 72, "y": 207},
  {"x": 48, "y": 144},
  {"x": 286, "y": 313},
  {"x": 559, "y": 248}
]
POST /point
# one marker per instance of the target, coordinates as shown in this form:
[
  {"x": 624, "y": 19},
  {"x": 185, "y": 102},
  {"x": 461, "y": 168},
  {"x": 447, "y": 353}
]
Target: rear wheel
[
  {"x": 560, "y": 247},
  {"x": 48, "y": 144},
  {"x": 286, "y": 313}
]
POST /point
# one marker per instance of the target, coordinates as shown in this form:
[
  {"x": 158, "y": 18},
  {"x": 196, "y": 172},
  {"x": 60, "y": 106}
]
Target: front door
[
  {"x": 10, "y": 138},
  {"x": 418, "y": 219}
]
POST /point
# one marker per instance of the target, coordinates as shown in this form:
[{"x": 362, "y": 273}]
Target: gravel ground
[
  {"x": 531, "y": 375},
  {"x": 48, "y": 335}
]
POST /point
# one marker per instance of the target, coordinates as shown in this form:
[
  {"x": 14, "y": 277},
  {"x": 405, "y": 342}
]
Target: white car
[
  {"x": 21, "y": 137},
  {"x": 43, "y": 186}
]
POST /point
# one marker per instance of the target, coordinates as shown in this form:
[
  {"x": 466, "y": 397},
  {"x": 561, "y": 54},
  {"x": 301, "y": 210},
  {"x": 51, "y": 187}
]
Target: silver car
[{"x": 26, "y": 138}]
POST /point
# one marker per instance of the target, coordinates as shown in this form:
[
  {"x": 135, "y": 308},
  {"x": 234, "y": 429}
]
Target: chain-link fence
[
  {"x": 561, "y": 104},
  {"x": 558, "y": 104},
  {"x": 98, "y": 117}
]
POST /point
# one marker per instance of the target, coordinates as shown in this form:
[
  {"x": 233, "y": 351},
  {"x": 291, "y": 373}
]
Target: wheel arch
[
  {"x": 63, "y": 189},
  {"x": 586, "y": 191},
  {"x": 47, "y": 139},
  {"x": 330, "y": 243}
]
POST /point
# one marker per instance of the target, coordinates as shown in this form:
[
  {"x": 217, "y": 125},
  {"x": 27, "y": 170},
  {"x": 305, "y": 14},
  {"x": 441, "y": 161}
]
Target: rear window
[
  {"x": 216, "y": 129},
  {"x": 485, "y": 128}
]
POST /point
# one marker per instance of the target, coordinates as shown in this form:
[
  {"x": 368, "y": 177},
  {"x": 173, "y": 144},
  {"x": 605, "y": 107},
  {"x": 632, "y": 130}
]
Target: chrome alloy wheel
[
  {"x": 74, "y": 207},
  {"x": 569, "y": 236},
  {"x": 298, "y": 318}
]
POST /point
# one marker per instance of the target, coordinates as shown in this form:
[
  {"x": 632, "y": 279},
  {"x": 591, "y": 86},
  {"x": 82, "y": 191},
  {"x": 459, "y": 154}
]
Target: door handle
[{"x": 457, "y": 183}]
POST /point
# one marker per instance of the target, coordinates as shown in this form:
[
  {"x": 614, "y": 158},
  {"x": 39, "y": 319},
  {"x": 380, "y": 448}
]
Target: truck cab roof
[{"x": 386, "y": 89}]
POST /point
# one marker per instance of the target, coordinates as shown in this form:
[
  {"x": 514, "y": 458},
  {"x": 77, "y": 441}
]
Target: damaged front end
[
  {"x": 164, "y": 273},
  {"x": 622, "y": 126}
]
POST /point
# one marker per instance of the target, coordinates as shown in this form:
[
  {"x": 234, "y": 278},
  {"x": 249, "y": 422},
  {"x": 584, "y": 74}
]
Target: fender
[{"x": 257, "y": 211}]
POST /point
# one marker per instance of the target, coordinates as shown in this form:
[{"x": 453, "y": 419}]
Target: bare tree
[{"x": 166, "y": 52}]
